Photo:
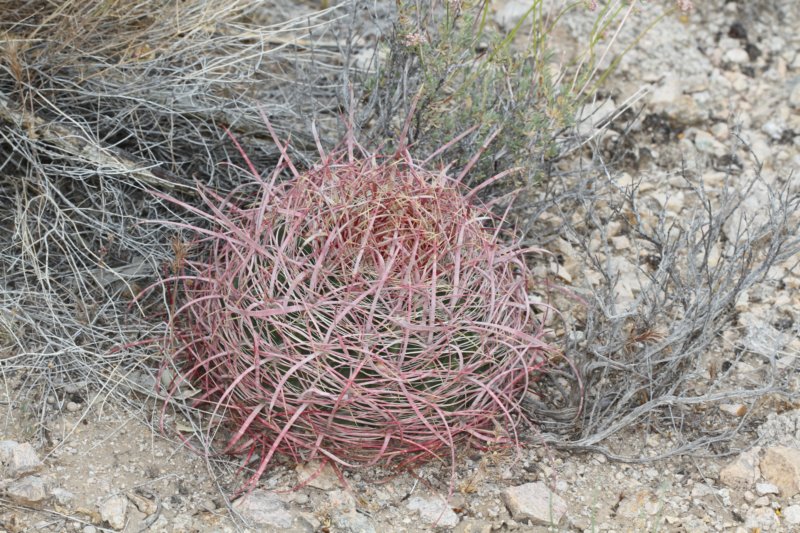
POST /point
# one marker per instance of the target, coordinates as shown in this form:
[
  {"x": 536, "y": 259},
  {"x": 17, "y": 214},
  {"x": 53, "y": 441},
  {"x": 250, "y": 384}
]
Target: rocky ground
[{"x": 731, "y": 70}]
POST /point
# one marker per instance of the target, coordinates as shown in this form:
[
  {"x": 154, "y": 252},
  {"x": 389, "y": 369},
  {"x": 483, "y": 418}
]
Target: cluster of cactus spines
[{"x": 363, "y": 311}]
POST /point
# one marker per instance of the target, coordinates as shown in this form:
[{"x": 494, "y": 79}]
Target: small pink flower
[
  {"x": 414, "y": 39},
  {"x": 685, "y": 5}
]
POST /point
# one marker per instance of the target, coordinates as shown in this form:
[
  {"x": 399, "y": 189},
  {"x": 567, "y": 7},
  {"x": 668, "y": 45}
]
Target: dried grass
[
  {"x": 645, "y": 363},
  {"x": 100, "y": 101}
]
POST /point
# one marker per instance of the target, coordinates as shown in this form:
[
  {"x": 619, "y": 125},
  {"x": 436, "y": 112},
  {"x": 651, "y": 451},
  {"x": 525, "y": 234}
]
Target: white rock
[
  {"x": 773, "y": 129},
  {"x": 672, "y": 202},
  {"x": 736, "y": 55},
  {"x": 433, "y": 511},
  {"x": 593, "y": 115},
  {"x": 510, "y": 12},
  {"x": 701, "y": 489},
  {"x": 667, "y": 93},
  {"x": 764, "y": 489},
  {"x": 352, "y": 522},
  {"x": 113, "y": 511},
  {"x": 721, "y": 131},
  {"x": 750, "y": 214},
  {"x": 17, "y": 459},
  {"x": 761, "y": 149},
  {"x": 534, "y": 502},
  {"x": 792, "y": 515},
  {"x": 714, "y": 178},
  {"x": 62, "y": 497},
  {"x": 31, "y": 490},
  {"x": 762, "y": 519},
  {"x": 794, "y": 95},
  {"x": 706, "y": 143},
  {"x": 762, "y": 501},
  {"x": 260, "y": 502},
  {"x": 266, "y": 509},
  {"x": 621, "y": 242}
]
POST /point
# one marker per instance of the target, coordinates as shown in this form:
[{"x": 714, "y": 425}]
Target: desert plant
[
  {"x": 364, "y": 311},
  {"x": 469, "y": 73}
]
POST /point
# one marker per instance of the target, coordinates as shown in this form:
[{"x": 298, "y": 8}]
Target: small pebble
[{"x": 73, "y": 407}]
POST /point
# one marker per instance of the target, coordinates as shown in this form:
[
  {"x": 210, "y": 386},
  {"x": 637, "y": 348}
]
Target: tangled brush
[{"x": 363, "y": 311}]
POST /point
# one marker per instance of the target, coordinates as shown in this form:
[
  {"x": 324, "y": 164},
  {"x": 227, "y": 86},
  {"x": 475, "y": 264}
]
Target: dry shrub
[{"x": 98, "y": 102}]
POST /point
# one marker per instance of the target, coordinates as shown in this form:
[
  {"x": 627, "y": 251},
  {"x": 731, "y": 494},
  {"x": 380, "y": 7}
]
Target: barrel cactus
[{"x": 363, "y": 311}]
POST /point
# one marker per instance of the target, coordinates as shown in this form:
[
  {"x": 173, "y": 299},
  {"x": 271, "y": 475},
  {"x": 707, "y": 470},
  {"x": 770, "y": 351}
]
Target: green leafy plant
[{"x": 505, "y": 84}]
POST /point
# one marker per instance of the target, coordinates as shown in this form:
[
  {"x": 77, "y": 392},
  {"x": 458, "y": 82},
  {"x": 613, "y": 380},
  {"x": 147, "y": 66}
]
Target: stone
[
  {"x": 764, "y": 489},
  {"x": 701, "y": 489},
  {"x": 721, "y": 131},
  {"x": 534, "y": 502},
  {"x": 113, "y": 511},
  {"x": 792, "y": 515},
  {"x": 17, "y": 459},
  {"x": 762, "y": 519},
  {"x": 640, "y": 503},
  {"x": 714, "y": 178},
  {"x": 146, "y": 506},
  {"x": 737, "y": 55},
  {"x": 31, "y": 490},
  {"x": 621, "y": 242},
  {"x": 62, "y": 497},
  {"x": 317, "y": 475},
  {"x": 265, "y": 509},
  {"x": 707, "y": 144},
  {"x": 741, "y": 473},
  {"x": 352, "y": 522},
  {"x": 686, "y": 112},
  {"x": 763, "y": 501},
  {"x": 594, "y": 115},
  {"x": 473, "y": 525},
  {"x": 780, "y": 429},
  {"x": 509, "y": 13},
  {"x": 434, "y": 511},
  {"x": 342, "y": 501},
  {"x": 794, "y": 95},
  {"x": 781, "y": 467},
  {"x": 773, "y": 129},
  {"x": 667, "y": 93}
]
